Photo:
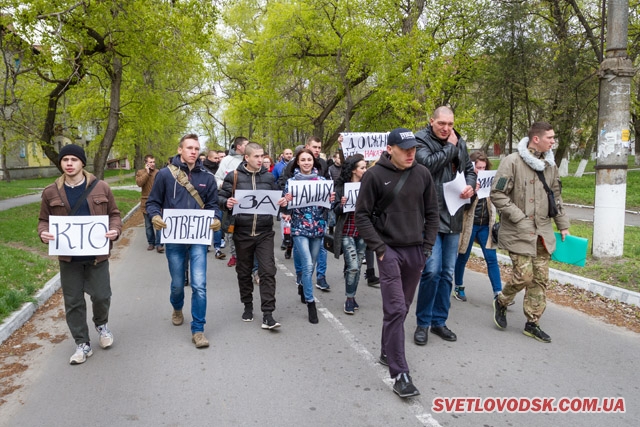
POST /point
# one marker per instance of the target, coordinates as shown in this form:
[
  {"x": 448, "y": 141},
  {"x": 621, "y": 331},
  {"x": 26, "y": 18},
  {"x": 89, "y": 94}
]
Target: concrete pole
[{"x": 616, "y": 71}]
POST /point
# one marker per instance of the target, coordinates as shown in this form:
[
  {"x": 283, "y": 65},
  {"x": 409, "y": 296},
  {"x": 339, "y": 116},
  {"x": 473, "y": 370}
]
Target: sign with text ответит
[{"x": 187, "y": 226}]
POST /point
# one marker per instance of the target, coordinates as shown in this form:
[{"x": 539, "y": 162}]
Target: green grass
[
  {"x": 24, "y": 262},
  {"x": 22, "y": 187}
]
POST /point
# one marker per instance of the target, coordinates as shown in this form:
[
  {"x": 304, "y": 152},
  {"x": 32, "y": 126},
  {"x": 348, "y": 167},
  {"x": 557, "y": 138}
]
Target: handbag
[
  {"x": 494, "y": 232},
  {"x": 328, "y": 243}
]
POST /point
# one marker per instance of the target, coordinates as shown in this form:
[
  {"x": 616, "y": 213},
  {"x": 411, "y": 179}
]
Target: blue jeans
[
  {"x": 307, "y": 249},
  {"x": 321, "y": 262},
  {"x": 353, "y": 248},
  {"x": 434, "y": 295},
  {"x": 217, "y": 239},
  {"x": 152, "y": 238},
  {"x": 177, "y": 257},
  {"x": 481, "y": 233}
]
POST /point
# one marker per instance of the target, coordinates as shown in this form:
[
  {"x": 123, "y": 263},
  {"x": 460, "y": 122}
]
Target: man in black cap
[
  {"x": 77, "y": 192},
  {"x": 397, "y": 215}
]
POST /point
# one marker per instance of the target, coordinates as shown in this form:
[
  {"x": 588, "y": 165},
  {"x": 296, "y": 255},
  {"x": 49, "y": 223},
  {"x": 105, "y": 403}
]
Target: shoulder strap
[
  {"x": 544, "y": 183},
  {"x": 83, "y": 197},
  {"x": 386, "y": 201},
  {"x": 182, "y": 179}
]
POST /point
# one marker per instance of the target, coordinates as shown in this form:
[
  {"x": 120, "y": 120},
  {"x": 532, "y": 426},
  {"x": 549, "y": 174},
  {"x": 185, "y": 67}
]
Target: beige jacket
[{"x": 521, "y": 200}]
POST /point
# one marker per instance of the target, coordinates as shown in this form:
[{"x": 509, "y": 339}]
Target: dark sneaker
[
  {"x": 404, "y": 388},
  {"x": 372, "y": 279},
  {"x": 322, "y": 284},
  {"x": 349, "y": 307},
  {"x": 499, "y": 314},
  {"x": 533, "y": 330},
  {"x": 444, "y": 333},
  {"x": 269, "y": 323},
  {"x": 420, "y": 336},
  {"x": 287, "y": 253},
  {"x": 355, "y": 304},
  {"x": 458, "y": 293},
  {"x": 283, "y": 247},
  {"x": 220, "y": 254},
  {"x": 383, "y": 359},
  {"x": 247, "y": 316}
]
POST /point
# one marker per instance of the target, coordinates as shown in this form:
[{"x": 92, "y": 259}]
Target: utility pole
[{"x": 616, "y": 71}]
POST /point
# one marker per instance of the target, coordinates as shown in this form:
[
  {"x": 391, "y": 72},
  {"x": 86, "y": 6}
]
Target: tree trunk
[
  {"x": 100, "y": 159},
  {"x": 6, "y": 176}
]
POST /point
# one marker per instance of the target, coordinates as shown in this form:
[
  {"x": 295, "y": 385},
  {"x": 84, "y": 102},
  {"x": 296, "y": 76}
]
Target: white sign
[
  {"x": 187, "y": 226},
  {"x": 452, "y": 191},
  {"x": 81, "y": 235},
  {"x": 351, "y": 191},
  {"x": 369, "y": 144},
  {"x": 262, "y": 202},
  {"x": 485, "y": 179},
  {"x": 311, "y": 192}
]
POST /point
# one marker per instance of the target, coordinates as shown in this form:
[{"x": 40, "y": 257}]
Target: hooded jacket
[
  {"x": 167, "y": 193},
  {"x": 228, "y": 164},
  {"x": 411, "y": 218},
  {"x": 100, "y": 201},
  {"x": 522, "y": 202},
  {"x": 252, "y": 224},
  {"x": 444, "y": 160}
]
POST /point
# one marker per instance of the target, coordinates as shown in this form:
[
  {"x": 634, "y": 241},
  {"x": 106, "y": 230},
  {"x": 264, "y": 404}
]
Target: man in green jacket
[{"x": 519, "y": 193}]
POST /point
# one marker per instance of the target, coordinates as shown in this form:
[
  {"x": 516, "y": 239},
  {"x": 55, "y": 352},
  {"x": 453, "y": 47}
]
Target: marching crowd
[{"x": 401, "y": 222}]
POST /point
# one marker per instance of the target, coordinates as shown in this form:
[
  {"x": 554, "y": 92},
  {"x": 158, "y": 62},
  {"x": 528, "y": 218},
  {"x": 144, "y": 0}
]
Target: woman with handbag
[
  {"x": 308, "y": 226},
  {"x": 346, "y": 236},
  {"x": 476, "y": 226}
]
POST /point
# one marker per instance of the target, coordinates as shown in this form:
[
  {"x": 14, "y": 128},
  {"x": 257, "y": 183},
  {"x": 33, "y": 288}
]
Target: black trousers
[{"x": 260, "y": 246}]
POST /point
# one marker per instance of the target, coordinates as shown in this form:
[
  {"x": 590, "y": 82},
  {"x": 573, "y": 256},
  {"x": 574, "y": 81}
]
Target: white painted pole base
[{"x": 608, "y": 220}]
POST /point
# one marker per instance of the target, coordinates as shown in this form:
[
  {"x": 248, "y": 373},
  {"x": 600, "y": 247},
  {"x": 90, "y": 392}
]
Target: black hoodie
[{"x": 411, "y": 219}]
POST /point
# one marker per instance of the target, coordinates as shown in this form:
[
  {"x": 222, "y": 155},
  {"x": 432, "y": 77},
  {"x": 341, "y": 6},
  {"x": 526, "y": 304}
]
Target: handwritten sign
[
  {"x": 485, "y": 179},
  {"x": 187, "y": 226},
  {"x": 369, "y": 144},
  {"x": 81, "y": 235},
  {"x": 261, "y": 202},
  {"x": 452, "y": 191},
  {"x": 310, "y": 193},
  {"x": 351, "y": 191}
]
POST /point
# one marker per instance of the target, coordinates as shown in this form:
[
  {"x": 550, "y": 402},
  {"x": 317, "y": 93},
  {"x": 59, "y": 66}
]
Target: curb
[
  {"x": 24, "y": 313},
  {"x": 608, "y": 291}
]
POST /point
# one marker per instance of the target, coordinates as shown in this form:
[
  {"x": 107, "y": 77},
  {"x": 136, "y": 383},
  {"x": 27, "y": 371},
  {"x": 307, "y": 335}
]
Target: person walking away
[
  {"x": 397, "y": 216},
  {"x": 477, "y": 224},
  {"x": 78, "y": 192},
  {"x": 253, "y": 235},
  {"x": 186, "y": 184},
  {"x": 526, "y": 191},
  {"x": 144, "y": 180}
]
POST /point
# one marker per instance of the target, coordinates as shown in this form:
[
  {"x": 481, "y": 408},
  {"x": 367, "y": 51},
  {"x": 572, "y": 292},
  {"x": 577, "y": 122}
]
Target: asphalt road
[{"x": 311, "y": 375}]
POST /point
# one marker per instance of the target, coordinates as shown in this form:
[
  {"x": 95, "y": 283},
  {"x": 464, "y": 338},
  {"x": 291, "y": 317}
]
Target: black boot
[
  {"x": 301, "y": 293},
  {"x": 372, "y": 279},
  {"x": 313, "y": 314}
]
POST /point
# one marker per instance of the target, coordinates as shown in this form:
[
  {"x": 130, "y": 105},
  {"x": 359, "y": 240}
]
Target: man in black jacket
[
  {"x": 253, "y": 235},
  {"x": 444, "y": 153},
  {"x": 402, "y": 237}
]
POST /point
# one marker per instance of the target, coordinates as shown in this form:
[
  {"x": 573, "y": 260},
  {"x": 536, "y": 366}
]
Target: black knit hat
[{"x": 73, "y": 150}]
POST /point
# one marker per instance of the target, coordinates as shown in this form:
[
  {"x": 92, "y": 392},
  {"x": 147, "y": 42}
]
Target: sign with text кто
[{"x": 82, "y": 235}]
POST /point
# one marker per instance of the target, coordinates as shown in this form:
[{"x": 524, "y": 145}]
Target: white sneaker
[
  {"x": 106, "y": 337},
  {"x": 82, "y": 352},
  {"x": 223, "y": 243}
]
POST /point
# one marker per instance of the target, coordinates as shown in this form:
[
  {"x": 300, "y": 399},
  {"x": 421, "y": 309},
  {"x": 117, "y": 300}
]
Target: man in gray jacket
[
  {"x": 518, "y": 192},
  {"x": 444, "y": 153}
]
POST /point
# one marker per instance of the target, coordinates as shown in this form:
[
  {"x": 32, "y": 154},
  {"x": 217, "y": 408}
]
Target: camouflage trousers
[{"x": 530, "y": 274}]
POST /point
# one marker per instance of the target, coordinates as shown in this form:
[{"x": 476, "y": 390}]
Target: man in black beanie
[{"x": 78, "y": 192}]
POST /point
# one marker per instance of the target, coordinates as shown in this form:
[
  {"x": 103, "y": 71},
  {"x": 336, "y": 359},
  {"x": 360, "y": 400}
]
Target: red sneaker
[{"x": 232, "y": 261}]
